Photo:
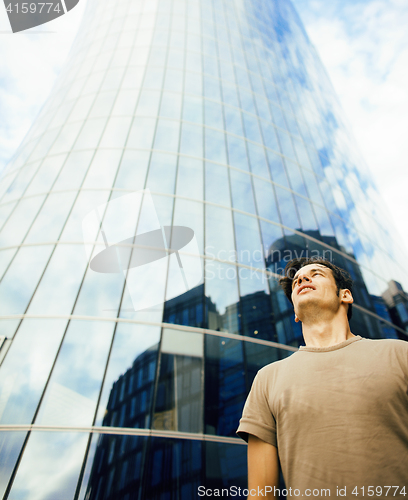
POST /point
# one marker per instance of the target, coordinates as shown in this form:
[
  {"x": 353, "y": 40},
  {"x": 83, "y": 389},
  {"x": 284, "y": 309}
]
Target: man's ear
[
  {"x": 346, "y": 296},
  {"x": 296, "y": 319}
]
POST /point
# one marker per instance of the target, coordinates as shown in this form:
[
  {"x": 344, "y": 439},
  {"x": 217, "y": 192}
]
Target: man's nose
[{"x": 303, "y": 278}]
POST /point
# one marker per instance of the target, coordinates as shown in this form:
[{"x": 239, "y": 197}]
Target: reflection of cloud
[
  {"x": 364, "y": 47},
  {"x": 29, "y": 66},
  {"x": 50, "y": 465}
]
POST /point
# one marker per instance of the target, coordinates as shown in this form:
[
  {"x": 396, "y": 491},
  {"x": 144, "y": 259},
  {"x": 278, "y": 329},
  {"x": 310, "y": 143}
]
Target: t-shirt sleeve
[{"x": 257, "y": 418}]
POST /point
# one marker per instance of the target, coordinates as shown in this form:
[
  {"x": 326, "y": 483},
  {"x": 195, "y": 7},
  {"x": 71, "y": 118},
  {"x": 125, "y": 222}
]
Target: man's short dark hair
[{"x": 341, "y": 277}]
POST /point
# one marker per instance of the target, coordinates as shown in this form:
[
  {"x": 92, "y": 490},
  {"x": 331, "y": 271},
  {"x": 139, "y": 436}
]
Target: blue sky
[{"x": 362, "y": 43}]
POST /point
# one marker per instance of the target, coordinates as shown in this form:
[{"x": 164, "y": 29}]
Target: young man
[{"x": 335, "y": 413}]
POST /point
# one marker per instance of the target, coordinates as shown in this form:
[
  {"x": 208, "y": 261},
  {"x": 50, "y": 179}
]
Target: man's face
[{"x": 314, "y": 284}]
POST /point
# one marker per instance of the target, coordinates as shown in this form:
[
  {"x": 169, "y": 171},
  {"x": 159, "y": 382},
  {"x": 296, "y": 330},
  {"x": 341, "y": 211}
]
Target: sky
[{"x": 362, "y": 43}]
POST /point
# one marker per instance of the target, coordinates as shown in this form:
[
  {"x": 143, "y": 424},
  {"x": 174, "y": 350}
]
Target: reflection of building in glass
[
  {"x": 397, "y": 301},
  {"x": 223, "y": 110}
]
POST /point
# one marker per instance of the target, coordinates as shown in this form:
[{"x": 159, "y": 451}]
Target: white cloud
[
  {"x": 364, "y": 47},
  {"x": 30, "y": 63}
]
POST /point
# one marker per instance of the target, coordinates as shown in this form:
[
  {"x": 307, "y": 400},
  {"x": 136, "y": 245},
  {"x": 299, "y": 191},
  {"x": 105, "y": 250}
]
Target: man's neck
[{"x": 325, "y": 333}]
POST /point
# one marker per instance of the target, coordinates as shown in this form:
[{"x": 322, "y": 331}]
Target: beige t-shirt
[{"x": 338, "y": 416}]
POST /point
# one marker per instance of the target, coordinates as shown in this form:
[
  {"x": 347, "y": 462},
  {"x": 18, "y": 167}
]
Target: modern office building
[{"x": 222, "y": 113}]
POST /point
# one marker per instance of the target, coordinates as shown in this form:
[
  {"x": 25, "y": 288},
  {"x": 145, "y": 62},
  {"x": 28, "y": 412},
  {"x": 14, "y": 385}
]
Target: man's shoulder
[
  {"x": 276, "y": 366},
  {"x": 386, "y": 344}
]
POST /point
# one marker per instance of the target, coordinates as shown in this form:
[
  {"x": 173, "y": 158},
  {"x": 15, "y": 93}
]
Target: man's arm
[{"x": 263, "y": 468}]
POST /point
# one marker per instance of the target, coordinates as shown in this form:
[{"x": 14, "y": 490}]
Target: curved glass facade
[{"x": 220, "y": 115}]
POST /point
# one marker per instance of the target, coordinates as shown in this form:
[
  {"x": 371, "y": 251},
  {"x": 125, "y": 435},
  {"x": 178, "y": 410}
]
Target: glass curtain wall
[{"x": 222, "y": 113}]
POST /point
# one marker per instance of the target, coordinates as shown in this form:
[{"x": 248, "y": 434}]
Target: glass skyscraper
[{"x": 219, "y": 115}]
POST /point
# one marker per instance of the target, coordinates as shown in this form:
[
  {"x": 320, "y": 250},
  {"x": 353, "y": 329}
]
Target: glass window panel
[
  {"x": 103, "y": 104},
  {"x": 116, "y": 132},
  {"x": 193, "y": 83},
  {"x": 219, "y": 233},
  {"x": 237, "y": 153},
  {"x": 6, "y": 181},
  {"x": 256, "y": 307},
  {"x": 190, "y": 178},
  {"x": 51, "y": 219},
  {"x": 50, "y": 466},
  {"x": 100, "y": 293},
  {"x": 269, "y": 136},
  {"x": 193, "y": 109},
  {"x": 306, "y": 214},
  {"x": 164, "y": 209},
  {"x": 241, "y": 188},
  {"x": 6, "y": 257},
  {"x": 212, "y": 88},
  {"x": 125, "y": 102},
  {"x": 295, "y": 176},
  {"x": 287, "y": 208},
  {"x": 132, "y": 170},
  {"x": 162, "y": 173},
  {"x": 263, "y": 109},
  {"x": 210, "y": 65},
  {"x": 222, "y": 298},
  {"x": 21, "y": 278},
  {"x": 171, "y": 105},
  {"x": 178, "y": 404},
  {"x": 225, "y": 385},
  {"x": 312, "y": 187},
  {"x": 233, "y": 121},
  {"x": 85, "y": 203},
  {"x": 248, "y": 241},
  {"x": 153, "y": 78},
  {"x": 20, "y": 221},
  {"x": 46, "y": 174},
  {"x": 73, "y": 389},
  {"x": 277, "y": 169},
  {"x": 173, "y": 80},
  {"x": 112, "y": 79},
  {"x": 193, "y": 61},
  {"x": 229, "y": 91},
  {"x": 74, "y": 170},
  {"x": 341, "y": 234},
  {"x": 175, "y": 58},
  {"x": 66, "y": 138},
  {"x": 133, "y": 78},
  {"x": 265, "y": 200},
  {"x": 26, "y": 368},
  {"x": 286, "y": 145},
  {"x": 81, "y": 109},
  {"x": 190, "y": 214},
  {"x": 130, "y": 376},
  {"x": 191, "y": 140},
  {"x": 258, "y": 161},
  {"x": 149, "y": 103},
  {"x": 215, "y": 146},
  {"x": 5, "y": 211},
  {"x": 277, "y": 113},
  {"x": 323, "y": 221},
  {"x": 271, "y": 236},
  {"x": 252, "y": 128},
  {"x": 20, "y": 183},
  {"x": 103, "y": 169},
  {"x": 213, "y": 114},
  {"x": 217, "y": 184},
  {"x": 10, "y": 446},
  {"x": 46, "y": 141},
  {"x": 167, "y": 135},
  {"x": 67, "y": 265},
  {"x": 90, "y": 134},
  {"x": 141, "y": 133},
  {"x": 301, "y": 153}
]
